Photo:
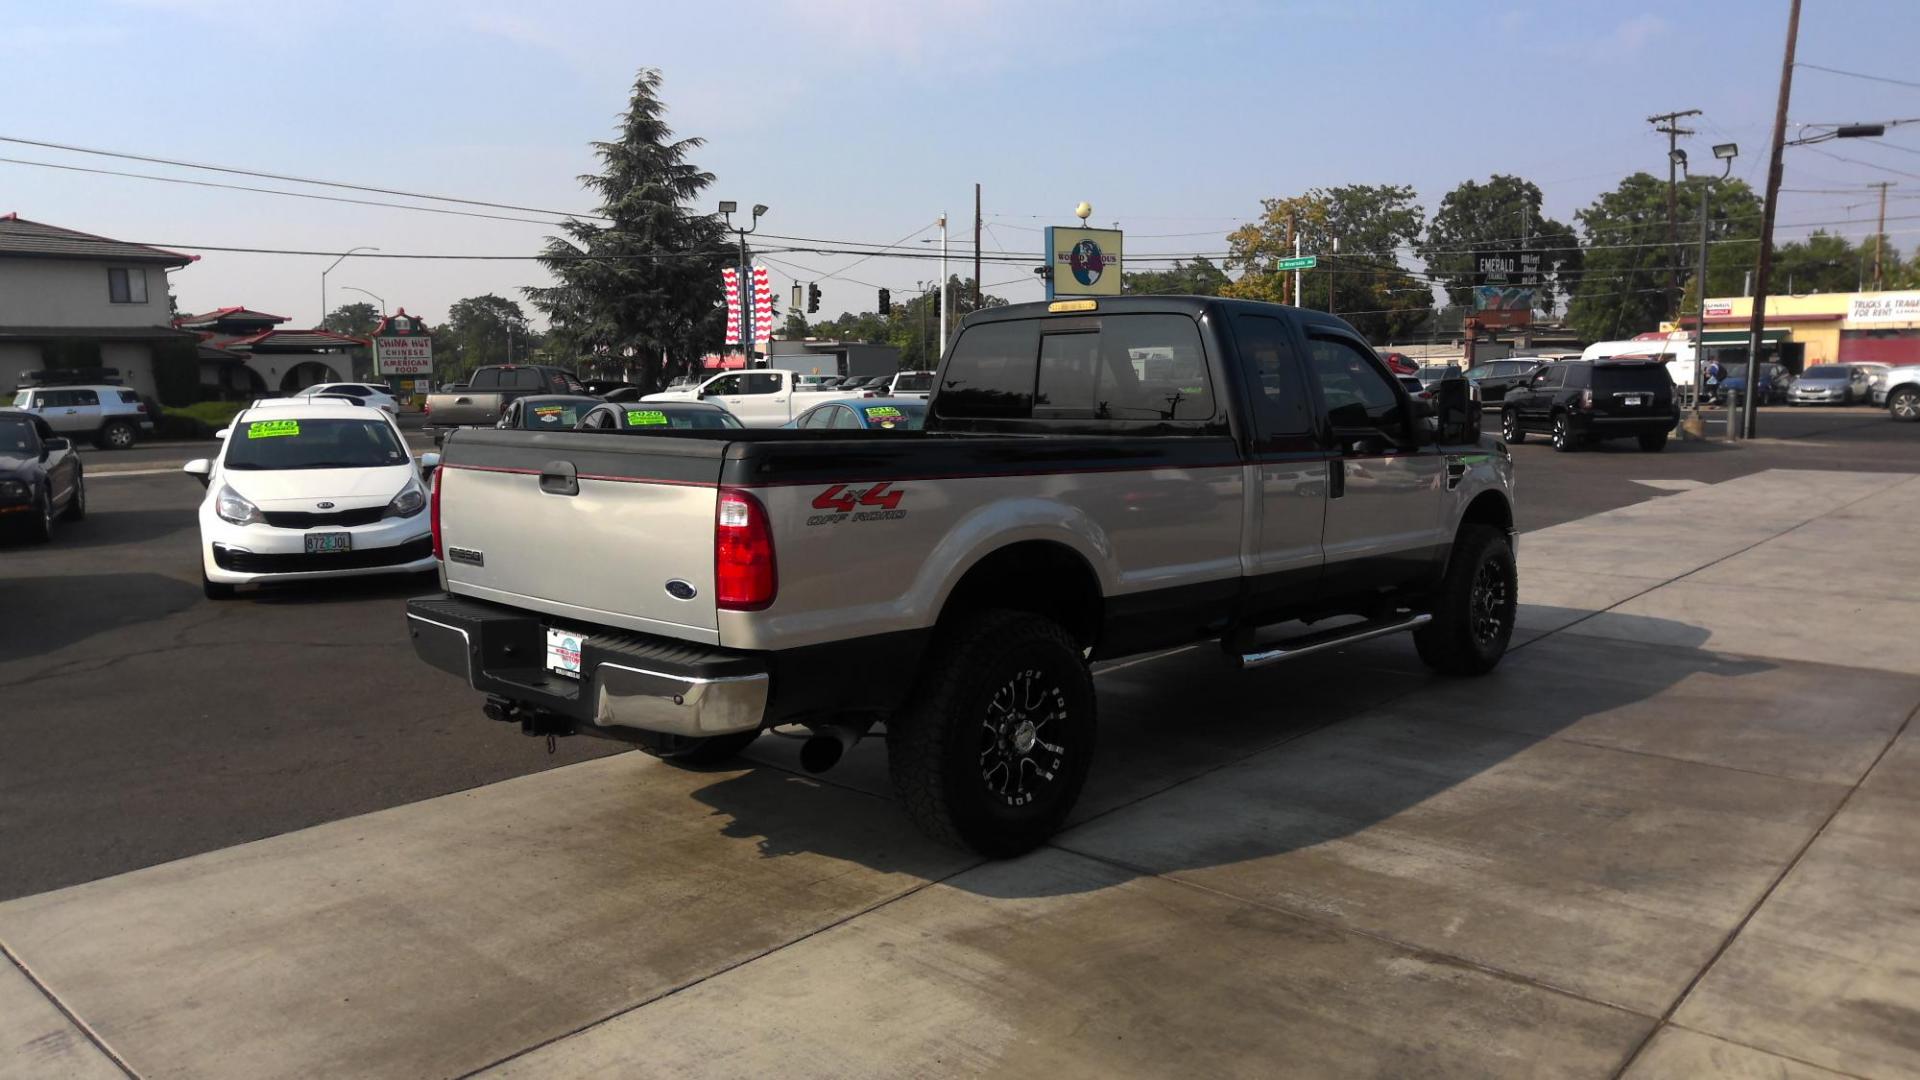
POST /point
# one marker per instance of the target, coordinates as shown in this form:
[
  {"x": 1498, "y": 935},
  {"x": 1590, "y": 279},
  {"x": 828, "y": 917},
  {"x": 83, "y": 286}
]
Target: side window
[
  {"x": 127, "y": 285},
  {"x": 816, "y": 419},
  {"x": 84, "y": 397},
  {"x": 1279, "y": 393},
  {"x": 843, "y": 419},
  {"x": 597, "y": 420},
  {"x": 762, "y": 382},
  {"x": 1547, "y": 377},
  {"x": 526, "y": 379},
  {"x": 1135, "y": 367},
  {"x": 1356, "y": 392},
  {"x": 51, "y": 399},
  {"x": 725, "y": 384},
  {"x": 990, "y": 372},
  {"x": 557, "y": 382},
  {"x": 488, "y": 379},
  {"x": 1578, "y": 375},
  {"x": 128, "y": 397}
]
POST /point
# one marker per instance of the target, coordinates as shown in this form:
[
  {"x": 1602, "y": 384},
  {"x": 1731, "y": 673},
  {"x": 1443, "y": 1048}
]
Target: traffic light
[
  {"x": 813, "y": 298},
  {"x": 886, "y": 302}
]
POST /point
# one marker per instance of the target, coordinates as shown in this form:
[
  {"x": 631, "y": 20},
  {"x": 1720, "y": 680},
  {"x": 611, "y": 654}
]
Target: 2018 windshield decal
[{"x": 843, "y": 502}]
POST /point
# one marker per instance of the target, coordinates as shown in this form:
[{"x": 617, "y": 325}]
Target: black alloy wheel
[
  {"x": 1510, "y": 426},
  {"x": 1562, "y": 433}
]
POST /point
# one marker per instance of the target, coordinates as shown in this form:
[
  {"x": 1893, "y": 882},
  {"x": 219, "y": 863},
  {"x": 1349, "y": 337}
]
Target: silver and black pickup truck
[
  {"x": 485, "y": 396},
  {"x": 1096, "y": 478}
]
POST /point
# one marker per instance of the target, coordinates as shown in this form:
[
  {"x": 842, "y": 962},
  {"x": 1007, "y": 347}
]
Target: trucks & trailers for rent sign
[{"x": 1885, "y": 307}]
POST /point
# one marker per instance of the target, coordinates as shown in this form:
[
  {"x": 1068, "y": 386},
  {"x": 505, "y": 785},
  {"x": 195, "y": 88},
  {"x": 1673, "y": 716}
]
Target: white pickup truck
[{"x": 763, "y": 397}]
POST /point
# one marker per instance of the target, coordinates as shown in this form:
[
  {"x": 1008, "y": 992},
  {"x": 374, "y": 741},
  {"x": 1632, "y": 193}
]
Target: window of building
[{"x": 127, "y": 285}]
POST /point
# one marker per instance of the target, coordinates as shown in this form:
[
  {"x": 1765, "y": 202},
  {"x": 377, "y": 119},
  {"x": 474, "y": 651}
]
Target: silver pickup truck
[
  {"x": 1095, "y": 479},
  {"x": 485, "y": 396}
]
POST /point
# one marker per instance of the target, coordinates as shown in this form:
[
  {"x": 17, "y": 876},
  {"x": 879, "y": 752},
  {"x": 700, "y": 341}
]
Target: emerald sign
[{"x": 1298, "y": 262}]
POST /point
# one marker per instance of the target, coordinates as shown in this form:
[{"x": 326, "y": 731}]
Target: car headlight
[
  {"x": 14, "y": 491},
  {"x": 234, "y": 508},
  {"x": 409, "y": 502}
]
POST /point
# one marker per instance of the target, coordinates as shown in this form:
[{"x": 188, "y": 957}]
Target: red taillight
[
  {"x": 433, "y": 513},
  {"x": 426, "y": 407},
  {"x": 140, "y": 407},
  {"x": 744, "y": 575}
]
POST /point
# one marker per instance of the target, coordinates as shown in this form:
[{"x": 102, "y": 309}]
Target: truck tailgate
[{"x": 608, "y": 529}]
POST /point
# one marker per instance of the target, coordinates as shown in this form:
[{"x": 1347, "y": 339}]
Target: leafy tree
[
  {"x": 1197, "y": 278},
  {"x": 1622, "y": 284},
  {"x": 1365, "y": 284},
  {"x": 643, "y": 289},
  {"x": 358, "y": 319},
  {"x": 1493, "y": 217},
  {"x": 1820, "y": 263}
]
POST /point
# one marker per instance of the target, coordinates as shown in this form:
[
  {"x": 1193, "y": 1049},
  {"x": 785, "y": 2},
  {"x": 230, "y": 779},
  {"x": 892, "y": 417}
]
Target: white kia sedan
[{"x": 311, "y": 491}]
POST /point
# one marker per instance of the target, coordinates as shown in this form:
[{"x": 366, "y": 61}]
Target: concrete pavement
[{"x": 1671, "y": 836}]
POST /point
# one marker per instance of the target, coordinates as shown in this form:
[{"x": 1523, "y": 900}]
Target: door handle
[
  {"x": 1336, "y": 477},
  {"x": 559, "y": 478}
]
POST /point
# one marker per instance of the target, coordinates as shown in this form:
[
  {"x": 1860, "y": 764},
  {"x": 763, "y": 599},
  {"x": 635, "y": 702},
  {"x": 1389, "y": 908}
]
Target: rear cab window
[{"x": 1126, "y": 370}]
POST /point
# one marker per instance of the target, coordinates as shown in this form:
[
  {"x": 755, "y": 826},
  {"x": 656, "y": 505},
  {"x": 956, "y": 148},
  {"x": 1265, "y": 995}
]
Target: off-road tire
[
  {"x": 76, "y": 506},
  {"x": 1510, "y": 429},
  {"x": 1564, "y": 440},
  {"x": 1904, "y": 404},
  {"x": 117, "y": 435},
  {"x": 1459, "y": 640},
  {"x": 1654, "y": 443},
  {"x": 710, "y": 750},
  {"x": 953, "y": 766}
]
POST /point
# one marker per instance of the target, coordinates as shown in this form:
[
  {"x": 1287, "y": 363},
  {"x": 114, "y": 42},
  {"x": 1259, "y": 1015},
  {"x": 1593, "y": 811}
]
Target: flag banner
[
  {"x": 730, "y": 281},
  {"x": 762, "y": 304}
]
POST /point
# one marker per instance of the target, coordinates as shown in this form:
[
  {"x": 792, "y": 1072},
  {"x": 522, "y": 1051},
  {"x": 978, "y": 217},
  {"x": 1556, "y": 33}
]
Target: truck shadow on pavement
[
  {"x": 46, "y": 614},
  {"x": 1203, "y": 765}
]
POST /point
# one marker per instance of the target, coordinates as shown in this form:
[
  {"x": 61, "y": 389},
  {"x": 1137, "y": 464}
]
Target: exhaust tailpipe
[{"x": 827, "y": 746}]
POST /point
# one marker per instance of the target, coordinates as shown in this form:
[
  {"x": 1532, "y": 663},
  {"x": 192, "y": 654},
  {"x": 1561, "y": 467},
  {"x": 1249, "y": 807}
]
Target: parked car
[
  {"x": 307, "y": 491},
  {"x": 1775, "y": 381},
  {"x": 865, "y": 414},
  {"x": 1400, "y": 363},
  {"x": 1054, "y": 512},
  {"x": 41, "y": 477},
  {"x": 1899, "y": 390},
  {"x": 653, "y": 417},
  {"x": 1497, "y": 378},
  {"x": 380, "y": 397},
  {"x": 763, "y": 397},
  {"x": 1416, "y": 389},
  {"x": 546, "y": 412},
  {"x": 111, "y": 417},
  {"x": 1580, "y": 401},
  {"x": 486, "y": 395},
  {"x": 602, "y": 388},
  {"x": 1830, "y": 384},
  {"x": 917, "y": 384}
]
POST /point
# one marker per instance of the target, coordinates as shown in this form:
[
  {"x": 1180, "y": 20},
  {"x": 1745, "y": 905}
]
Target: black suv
[{"x": 1578, "y": 400}]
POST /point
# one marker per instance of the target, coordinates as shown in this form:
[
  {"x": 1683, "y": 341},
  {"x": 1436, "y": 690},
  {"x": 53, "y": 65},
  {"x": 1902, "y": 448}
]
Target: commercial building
[
  {"x": 243, "y": 353},
  {"x": 1819, "y": 328}
]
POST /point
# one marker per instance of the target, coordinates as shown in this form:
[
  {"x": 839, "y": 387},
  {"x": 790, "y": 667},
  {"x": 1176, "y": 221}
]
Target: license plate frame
[
  {"x": 329, "y": 543},
  {"x": 563, "y": 651}
]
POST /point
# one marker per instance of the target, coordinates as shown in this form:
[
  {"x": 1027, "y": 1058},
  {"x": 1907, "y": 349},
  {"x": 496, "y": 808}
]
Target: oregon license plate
[
  {"x": 563, "y": 652},
  {"x": 325, "y": 543}
]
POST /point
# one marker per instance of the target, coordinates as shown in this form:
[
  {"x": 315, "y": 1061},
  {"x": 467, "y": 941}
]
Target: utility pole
[
  {"x": 1764, "y": 265},
  {"x": 1294, "y": 243},
  {"x": 976, "y": 247},
  {"x": 1880, "y": 232},
  {"x": 943, "y": 288},
  {"x": 1665, "y": 124}
]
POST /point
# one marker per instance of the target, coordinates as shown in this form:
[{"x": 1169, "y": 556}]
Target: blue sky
[{"x": 864, "y": 120}]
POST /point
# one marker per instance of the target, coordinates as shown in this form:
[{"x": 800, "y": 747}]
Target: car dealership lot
[{"x": 260, "y": 838}]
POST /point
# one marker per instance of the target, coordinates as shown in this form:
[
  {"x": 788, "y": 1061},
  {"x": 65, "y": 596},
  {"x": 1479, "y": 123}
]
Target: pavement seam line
[
  {"x": 1426, "y": 951},
  {"x": 1761, "y": 1050},
  {"x": 1666, "y": 1018},
  {"x": 719, "y": 971},
  {"x": 1907, "y": 478},
  {"x": 73, "y": 1018}
]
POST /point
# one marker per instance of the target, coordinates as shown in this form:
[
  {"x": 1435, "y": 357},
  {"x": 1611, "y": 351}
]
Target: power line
[
  {"x": 273, "y": 191},
  {"x": 1856, "y": 161},
  {"x": 293, "y": 179},
  {"x": 1857, "y": 75}
]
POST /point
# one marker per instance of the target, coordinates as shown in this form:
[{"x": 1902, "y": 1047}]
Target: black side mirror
[
  {"x": 1456, "y": 405},
  {"x": 53, "y": 443}
]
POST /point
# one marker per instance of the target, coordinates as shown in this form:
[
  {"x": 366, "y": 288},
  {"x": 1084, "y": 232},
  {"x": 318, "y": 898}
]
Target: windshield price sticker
[
  {"x": 883, "y": 412},
  {"x": 267, "y": 429},
  {"x": 547, "y": 410},
  {"x": 645, "y": 418}
]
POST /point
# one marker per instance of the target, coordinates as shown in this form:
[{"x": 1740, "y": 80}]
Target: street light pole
[
  {"x": 943, "y": 289},
  {"x": 363, "y": 292},
  {"x": 1726, "y": 152},
  {"x": 323, "y": 282},
  {"x": 727, "y": 209}
]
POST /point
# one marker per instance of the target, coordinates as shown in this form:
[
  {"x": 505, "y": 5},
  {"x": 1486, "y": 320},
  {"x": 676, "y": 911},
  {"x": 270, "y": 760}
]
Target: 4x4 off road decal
[{"x": 844, "y": 502}]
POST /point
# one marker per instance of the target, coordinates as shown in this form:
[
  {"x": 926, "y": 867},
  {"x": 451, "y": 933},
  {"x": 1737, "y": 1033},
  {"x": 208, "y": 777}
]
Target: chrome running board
[{"x": 1329, "y": 639}]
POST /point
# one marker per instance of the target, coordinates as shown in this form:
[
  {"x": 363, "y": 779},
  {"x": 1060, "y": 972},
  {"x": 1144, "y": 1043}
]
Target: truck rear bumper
[{"x": 627, "y": 681}]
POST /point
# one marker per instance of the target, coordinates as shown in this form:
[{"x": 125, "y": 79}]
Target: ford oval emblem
[
  {"x": 326, "y": 506},
  {"x": 681, "y": 590}
]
